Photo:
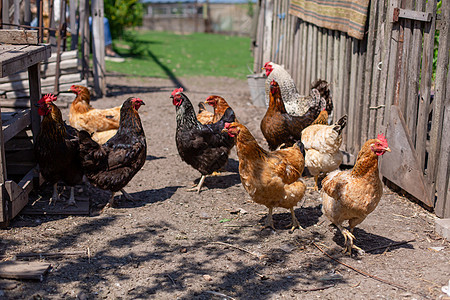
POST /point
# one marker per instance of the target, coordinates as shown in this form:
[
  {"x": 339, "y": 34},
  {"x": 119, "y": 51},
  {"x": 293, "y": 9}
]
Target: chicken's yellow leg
[
  {"x": 269, "y": 219},
  {"x": 295, "y": 222}
]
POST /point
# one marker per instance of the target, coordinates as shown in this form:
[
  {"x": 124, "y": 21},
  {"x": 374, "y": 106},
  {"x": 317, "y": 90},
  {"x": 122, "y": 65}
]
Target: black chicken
[
  {"x": 204, "y": 147},
  {"x": 56, "y": 149},
  {"x": 112, "y": 165}
]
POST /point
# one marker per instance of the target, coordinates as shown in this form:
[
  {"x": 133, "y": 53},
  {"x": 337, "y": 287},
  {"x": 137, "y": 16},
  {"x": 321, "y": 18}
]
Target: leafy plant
[{"x": 123, "y": 14}]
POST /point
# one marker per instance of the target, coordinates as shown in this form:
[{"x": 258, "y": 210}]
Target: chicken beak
[
  {"x": 263, "y": 68},
  {"x": 142, "y": 103},
  {"x": 388, "y": 149},
  {"x": 224, "y": 130}
]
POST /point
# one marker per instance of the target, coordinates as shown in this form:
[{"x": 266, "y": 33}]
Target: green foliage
[
  {"x": 436, "y": 43},
  {"x": 123, "y": 14},
  {"x": 166, "y": 54}
]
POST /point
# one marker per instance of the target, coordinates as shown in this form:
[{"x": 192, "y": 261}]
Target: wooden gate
[{"x": 383, "y": 82}]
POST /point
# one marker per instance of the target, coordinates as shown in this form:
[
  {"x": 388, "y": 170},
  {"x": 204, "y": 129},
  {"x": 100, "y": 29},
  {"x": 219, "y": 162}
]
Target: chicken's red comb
[
  {"x": 227, "y": 125},
  {"x": 273, "y": 82},
  {"x": 382, "y": 139},
  {"x": 176, "y": 91},
  {"x": 49, "y": 98},
  {"x": 266, "y": 64},
  {"x": 136, "y": 99}
]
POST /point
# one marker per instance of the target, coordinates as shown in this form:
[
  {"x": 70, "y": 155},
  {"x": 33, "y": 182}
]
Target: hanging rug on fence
[{"x": 345, "y": 15}]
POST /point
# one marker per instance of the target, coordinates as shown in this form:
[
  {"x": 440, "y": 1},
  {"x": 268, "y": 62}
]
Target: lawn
[{"x": 166, "y": 54}]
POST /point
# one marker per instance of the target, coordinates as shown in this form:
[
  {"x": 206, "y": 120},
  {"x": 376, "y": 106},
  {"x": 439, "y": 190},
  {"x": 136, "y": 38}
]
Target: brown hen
[
  {"x": 270, "y": 178},
  {"x": 353, "y": 194},
  {"x": 102, "y": 123}
]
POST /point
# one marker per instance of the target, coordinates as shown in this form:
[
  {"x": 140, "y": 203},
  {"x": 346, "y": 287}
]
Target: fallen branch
[
  {"x": 361, "y": 272},
  {"x": 219, "y": 294},
  {"x": 390, "y": 245},
  {"x": 258, "y": 255},
  {"x": 314, "y": 289},
  {"x": 171, "y": 279}
]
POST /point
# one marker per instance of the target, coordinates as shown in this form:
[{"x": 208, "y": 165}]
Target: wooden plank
[
  {"x": 329, "y": 56},
  {"x": 67, "y": 67},
  {"x": 18, "y": 58},
  {"x": 16, "y": 16},
  {"x": 47, "y": 70},
  {"x": 275, "y": 33},
  {"x": 35, "y": 95},
  {"x": 313, "y": 69},
  {"x": 12, "y": 127},
  {"x": 370, "y": 64},
  {"x": 27, "y": 12},
  {"x": 16, "y": 36},
  {"x": 425, "y": 84},
  {"x": 29, "y": 270},
  {"x": 440, "y": 97},
  {"x": 65, "y": 55},
  {"x": 73, "y": 6},
  {"x": 58, "y": 45},
  {"x": 268, "y": 30},
  {"x": 401, "y": 165},
  {"x": 413, "y": 75},
  {"x": 303, "y": 53},
  {"x": 334, "y": 80},
  {"x": 413, "y": 15},
  {"x": 18, "y": 198},
  {"x": 442, "y": 208},
  {"x": 387, "y": 80},
  {"x": 353, "y": 102},
  {"x": 5, "y": 13},
  {"x": 21, "y": 85},
  {"x": 3, "y": 176},
  {"x": 44, "y": 89},
  {"x": 346, "y": 86},
  {"x": 405, "y": 63},
  {"x": 309, "y": 60},
  {"x": 295, "y": 51},
  {"x": 361, "y": 57},
  {"x": 41, "y": 207}
]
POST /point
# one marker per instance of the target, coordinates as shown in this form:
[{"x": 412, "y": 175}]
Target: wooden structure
[
  {"x": 52, "y": 28},
  {"x": 383, "y": 82},
  {"x": 14, "y": 196}
]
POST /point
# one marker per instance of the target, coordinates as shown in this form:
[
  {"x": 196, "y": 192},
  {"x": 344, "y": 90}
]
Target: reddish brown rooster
[{"x": 279, "y": 127}]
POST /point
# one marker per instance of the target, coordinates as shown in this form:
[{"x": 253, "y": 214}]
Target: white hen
[{"x": 322, "y": 144}]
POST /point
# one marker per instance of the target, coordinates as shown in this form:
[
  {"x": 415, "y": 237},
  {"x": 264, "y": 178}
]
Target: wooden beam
[
  {"x": 98, "y": 58},
  {"x": 23, "y": 270},
  {"x": 17, "y": 36},
  {"x": 15, "y": 125},
  {"x": 18, "y": 198},
  {"x": 411, "y": 15}
]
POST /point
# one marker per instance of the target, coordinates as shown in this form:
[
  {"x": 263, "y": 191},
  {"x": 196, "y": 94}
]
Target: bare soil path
[{"x": 174, "y": 244}]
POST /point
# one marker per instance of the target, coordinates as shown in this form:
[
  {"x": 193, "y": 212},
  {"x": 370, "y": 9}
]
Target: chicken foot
[
  {"x": 71, "y": 201},
  {"x": 316, "y": 186},
  {"x": 111, "y": 203},
  {"x": 348, "y": 241},
  {"x": 199, "y": 185},
  {"x": 127, "y": 196},
  {"x": 295, "y": 223},
  {"x": 269, "y": 220},
  {"x": 55, "y": 197}
]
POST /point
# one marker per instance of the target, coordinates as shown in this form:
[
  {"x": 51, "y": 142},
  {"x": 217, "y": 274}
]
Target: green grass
[{"x": 165, "y": 55}]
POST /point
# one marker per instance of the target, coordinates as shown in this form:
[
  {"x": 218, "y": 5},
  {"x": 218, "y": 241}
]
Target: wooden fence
[
  {"x": 17, "y": 15},
  {"x": 383, "y": 82}
]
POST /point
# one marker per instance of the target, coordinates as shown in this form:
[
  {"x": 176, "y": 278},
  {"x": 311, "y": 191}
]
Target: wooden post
[
  {"x": 85, "y": 37},
  {"x": 16, "y": 12},
  {"x": 73, "y": 24},
  {"x": 5, "y": 13},
  {"x": 27, "y": 12},
  {"x": 3, "y": 195},
  {"x": 35, "y": 95},
  {"x": 98, "y": 48},
  {"x": 62, "y": 17},
  {"x": 40, "y": 6}
]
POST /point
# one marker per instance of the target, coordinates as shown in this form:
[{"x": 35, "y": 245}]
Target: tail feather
[{"x": 340, "y": 124}]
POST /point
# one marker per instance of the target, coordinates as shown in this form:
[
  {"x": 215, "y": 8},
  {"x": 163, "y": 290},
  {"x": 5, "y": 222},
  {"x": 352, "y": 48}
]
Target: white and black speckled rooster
[{"x": 296, "y": 104}]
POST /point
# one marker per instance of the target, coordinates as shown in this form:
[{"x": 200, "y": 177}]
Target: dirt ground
[{"x": 174, "y": 244}]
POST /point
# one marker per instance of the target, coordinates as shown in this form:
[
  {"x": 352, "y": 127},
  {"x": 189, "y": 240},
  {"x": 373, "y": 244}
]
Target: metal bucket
[{"x": 256, "y": 84}]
